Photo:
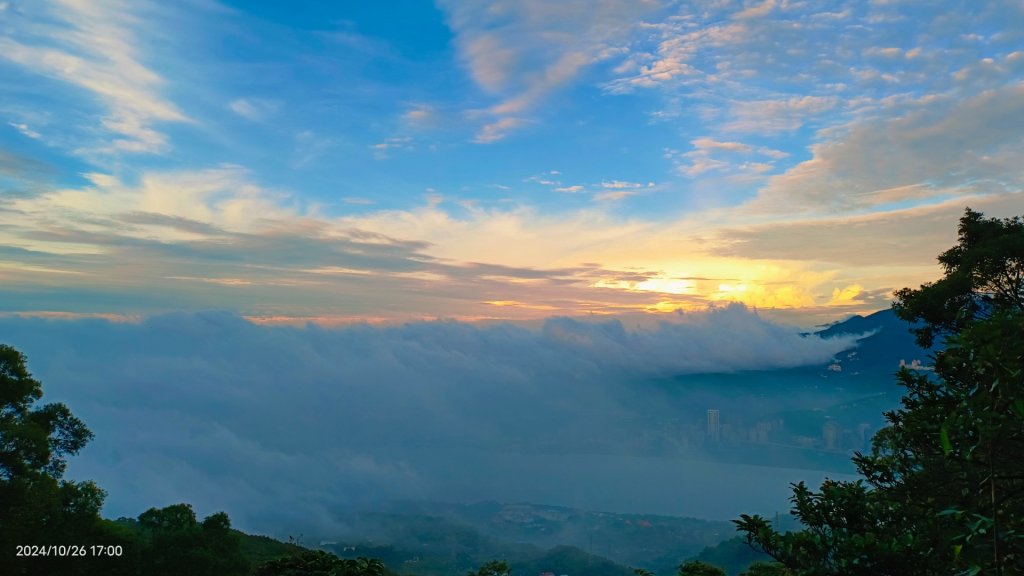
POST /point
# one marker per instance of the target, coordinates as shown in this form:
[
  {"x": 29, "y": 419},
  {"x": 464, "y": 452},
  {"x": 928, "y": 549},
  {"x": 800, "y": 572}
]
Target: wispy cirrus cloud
[
  {"x": 220, "y": 240},
  {"x": 498, "y": 129},
  {"x": 255, "y": 109},
  {"x": 381, "y": 150},
  {"x": 421, "y": 115},
  {"x": 22, "y": 168},
  {"x": 776, "y": 115},
  {"x": 774, "y": 67},
  {"x": 892, "y": 158},
  {"x": 25, "y": 130},
  {"x": 725, "y": 157},
  {"x": 603, "y": 191},
  {"x": 93, "y": 46},
  {"x": 757, "y": 10},
  {"x": 909, "y": 237},
  {"x": 521, "y": 52}
]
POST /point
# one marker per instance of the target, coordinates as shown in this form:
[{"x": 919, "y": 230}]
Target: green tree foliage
[
  {"x": 38, "y": 507},
  {"x": 492, "y": 568},
  {"x": 260, "y": 549},
  {"x": 36, "y": 440},
  {"x": 984, "y": 272},
  {"x": 765, "y": 569},
  {"x": 943, "y": 486},
  {"x": 320, "y": 563},
  {"x": 732, "y": 555},
  {"x": 698, "y": 568},
  {"x": 174, "y": 542},
  {"x": 309, "y": 563},
  {"x": 978, "y": 419}
]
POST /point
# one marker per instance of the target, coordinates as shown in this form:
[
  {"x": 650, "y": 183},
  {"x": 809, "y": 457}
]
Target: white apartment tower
[{"x": 714, "y": 426}]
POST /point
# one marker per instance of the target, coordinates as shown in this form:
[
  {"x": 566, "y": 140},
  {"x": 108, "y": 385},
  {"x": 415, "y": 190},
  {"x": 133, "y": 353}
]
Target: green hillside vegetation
[
  {"x": 466, "y": 534},
  {"x": 435, "y": 546},
  {"x": 733, "y": 556},
  {"x": 259, "y": 549},
  {"x": 569, "y": 560}
]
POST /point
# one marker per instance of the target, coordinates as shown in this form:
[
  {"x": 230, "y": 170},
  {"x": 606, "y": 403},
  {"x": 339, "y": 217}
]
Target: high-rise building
[
  {"x": 830, "y": 434},
  {"x": 864, "y": 435},
  {"x": 714, "y": 426}
]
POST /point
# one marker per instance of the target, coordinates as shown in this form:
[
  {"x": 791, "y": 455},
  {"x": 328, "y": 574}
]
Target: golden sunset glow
[{"x": 667, "y": 286}]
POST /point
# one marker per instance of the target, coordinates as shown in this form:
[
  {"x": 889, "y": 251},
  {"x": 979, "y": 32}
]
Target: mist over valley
[{"x": 293, "y": 430}]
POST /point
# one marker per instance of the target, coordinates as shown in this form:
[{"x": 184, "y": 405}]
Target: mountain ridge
[{"x": 886, "y": 340}]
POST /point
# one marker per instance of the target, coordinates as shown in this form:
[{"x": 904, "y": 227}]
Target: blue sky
[{"x": 496, "y": 159}]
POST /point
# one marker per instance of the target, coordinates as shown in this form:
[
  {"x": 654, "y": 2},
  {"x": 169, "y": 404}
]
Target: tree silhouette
[
  {"x": 37, "y": 506},
  {"x": 943, "y": 486},
  {"x": 698, "y": 568}
]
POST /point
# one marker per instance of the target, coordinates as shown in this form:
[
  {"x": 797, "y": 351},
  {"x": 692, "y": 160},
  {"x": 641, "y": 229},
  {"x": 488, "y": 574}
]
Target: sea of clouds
[{"x": 284, "y": 426}]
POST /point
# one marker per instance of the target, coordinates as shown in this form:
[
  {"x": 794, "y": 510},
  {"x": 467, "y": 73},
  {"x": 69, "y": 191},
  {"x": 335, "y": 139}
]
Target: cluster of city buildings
[
  {"x": 914, "y": 364},
  {"x": 834, "y": 435}
]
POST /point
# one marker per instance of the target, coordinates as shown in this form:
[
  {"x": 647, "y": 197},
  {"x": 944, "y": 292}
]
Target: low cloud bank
[{"x": 282, "y": 426}]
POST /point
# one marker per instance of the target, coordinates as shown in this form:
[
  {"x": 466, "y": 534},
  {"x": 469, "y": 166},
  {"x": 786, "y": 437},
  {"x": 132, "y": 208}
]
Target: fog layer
[{"x": 284, "y": 426}]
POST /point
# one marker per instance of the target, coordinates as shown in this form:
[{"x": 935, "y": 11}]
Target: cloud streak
[
  {"x": 193, "y": 240},
  {"x": 762, "y": 125},
  {"x": 521, "y": 52},
  {"x": 891, "y": 159},
  {"x": 92, "y": 46}
]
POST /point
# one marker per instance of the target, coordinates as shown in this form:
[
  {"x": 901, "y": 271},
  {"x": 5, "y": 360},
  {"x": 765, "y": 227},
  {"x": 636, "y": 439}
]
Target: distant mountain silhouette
[
  {"x": 440, "y": 539},
  {"x": 888, "y": 340}
]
